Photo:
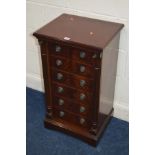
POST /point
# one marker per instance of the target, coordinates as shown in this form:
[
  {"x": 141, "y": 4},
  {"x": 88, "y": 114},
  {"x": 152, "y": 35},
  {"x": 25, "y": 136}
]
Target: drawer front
[
  {"x": 59, "y": 50},
  {"x": 77, "y": 120},
  {"x": 72, "y": 67},
  {"x": 73, "y": 107},
  {"x": 88, "y": 57},
  {"x": 73, "y": 94},
  {"x": 72, "y": 80},
  {"x": 83, "y": 70}
]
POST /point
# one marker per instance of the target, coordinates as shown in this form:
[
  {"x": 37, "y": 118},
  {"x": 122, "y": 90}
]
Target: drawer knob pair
[
  {"x": 59, "y": 76},
  {"x": 82, "y": 120},
  {"x": 82, "y": 109},
  {"x": 60, "y": 102},
  {"x": 82, "y": 96},
  {"x": 57, "y": 48},
  {"x": 61, "y": 113},
  {"x": 60, "y": 89},
  {"x": 94, "y": 56},
  {"x": 58, "y": 62}
]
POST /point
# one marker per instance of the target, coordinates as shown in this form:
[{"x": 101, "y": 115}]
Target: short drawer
[
  {"x": 79, "y": 82},
  {"x": 85, "y": 56},
  {"x": 73, "y": 107},
  {"x": 77, "y": 120},
  {"x": 83, "y": 70},
  {"x": 59, "y": 50},
  {"x": 73, "y": 94}
]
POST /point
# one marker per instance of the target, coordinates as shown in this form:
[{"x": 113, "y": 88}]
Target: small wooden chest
[{"x": 79, "y": 60}]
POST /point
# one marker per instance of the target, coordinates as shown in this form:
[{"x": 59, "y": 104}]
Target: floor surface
[{"x": 41, "y": 141}]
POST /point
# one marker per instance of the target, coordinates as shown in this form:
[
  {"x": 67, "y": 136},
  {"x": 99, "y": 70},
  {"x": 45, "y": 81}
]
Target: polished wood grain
[{"x": 79, "y": 74}]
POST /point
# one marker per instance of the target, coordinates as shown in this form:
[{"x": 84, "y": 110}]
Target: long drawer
[
  {"x": 72, "y": 66},
  {"x": 72, "y": 106},
  {"x": 77, "y": 120},
  {"x": 71, "y": 93},
  {"x": 72, "y": 80}
]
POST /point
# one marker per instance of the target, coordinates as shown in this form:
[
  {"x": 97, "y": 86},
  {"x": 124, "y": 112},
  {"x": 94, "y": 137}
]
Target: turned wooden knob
[
  {"x": 82, "y": 120},
  {"x": 82, "y": 55},
  {"x": 58, "y": 62},
  {"x": 60, "y": 89},
  {"x": 82, "y": 109},
  {"x": 82, "y": 83},
  {"x": 57, "y": 48},
  {"x": 59, "y": 76},
  {"x": 82, "y": 69},
  {"x": 60, "y": 101},
  {"x": 61, "y": 113},
  {"x": 82, "y": 96}
]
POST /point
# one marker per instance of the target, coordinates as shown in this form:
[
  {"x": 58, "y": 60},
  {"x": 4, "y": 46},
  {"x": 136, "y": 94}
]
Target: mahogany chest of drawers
[{"x": 79, "y": 60}]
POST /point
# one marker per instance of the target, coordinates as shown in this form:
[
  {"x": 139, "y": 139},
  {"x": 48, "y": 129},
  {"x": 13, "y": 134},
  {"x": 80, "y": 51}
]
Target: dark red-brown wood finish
[{"x": 75, "y": 51}]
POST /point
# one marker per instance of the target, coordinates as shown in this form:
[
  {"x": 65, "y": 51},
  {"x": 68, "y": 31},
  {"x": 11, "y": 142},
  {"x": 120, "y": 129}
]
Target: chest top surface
[{"x": 75, "y": 29}]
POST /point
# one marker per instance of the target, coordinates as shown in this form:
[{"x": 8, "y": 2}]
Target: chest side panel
[{"x": 108, "y": 75}]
